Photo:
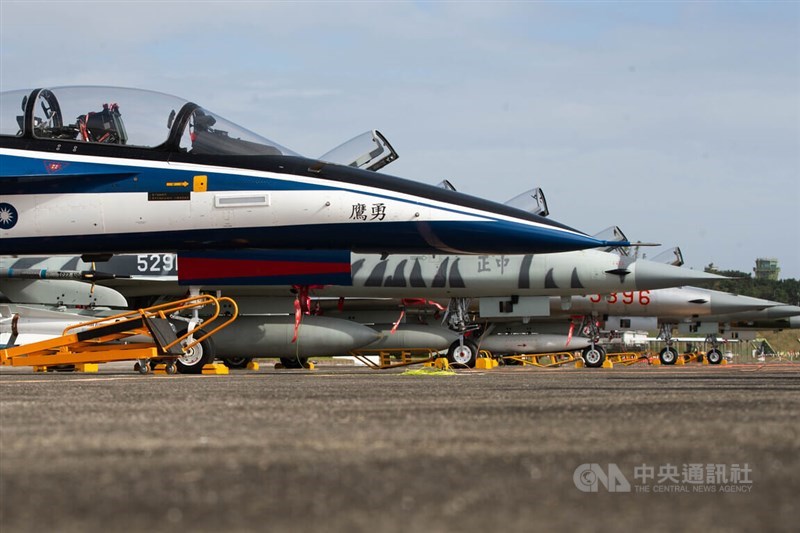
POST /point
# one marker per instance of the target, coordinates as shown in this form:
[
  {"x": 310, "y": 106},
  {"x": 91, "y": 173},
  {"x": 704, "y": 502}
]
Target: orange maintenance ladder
[{"x": 103, "y": 340}]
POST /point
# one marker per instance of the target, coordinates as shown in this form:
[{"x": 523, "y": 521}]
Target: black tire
[
  {"x": 594, "y": 356},
  {"x": 236, "y": 362},
  {"x": 463, "y": 355},
  {"x": 714, "y": 356},
  {"x": 294, "y": 362},
  {"x": 668, "y": 356},
  {"x": 197, "y": 357}
]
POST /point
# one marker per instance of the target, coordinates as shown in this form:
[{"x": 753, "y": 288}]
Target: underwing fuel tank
[
  {"x": 271, "y": 336},
  {"x": 530, "y": 343},
  {"x": 408, "y": 336}
]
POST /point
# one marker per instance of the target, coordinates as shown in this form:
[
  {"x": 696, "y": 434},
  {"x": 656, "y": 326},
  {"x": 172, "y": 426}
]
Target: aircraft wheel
[
  {"x": 668, "y": 356},
  {"x": 463, "y": 355},
  {"x": 294, "y": 362},
  {"x": 198, "y": 356},
  {"x": 236, "y": 362},
  {"x": 594, "y": 356},
  {"x": 714, "y": 356}
]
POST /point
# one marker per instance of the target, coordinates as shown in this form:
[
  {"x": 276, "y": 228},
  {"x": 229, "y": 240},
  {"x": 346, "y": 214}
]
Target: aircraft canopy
[{"x": 129, "y": 117}]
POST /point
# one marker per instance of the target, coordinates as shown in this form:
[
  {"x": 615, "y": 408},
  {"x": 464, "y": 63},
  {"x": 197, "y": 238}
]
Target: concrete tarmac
[{"x": 348, "y": 449}]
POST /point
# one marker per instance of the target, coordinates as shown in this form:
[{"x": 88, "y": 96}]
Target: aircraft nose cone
[
  {"x": 509, "y": 237},
  {"x": 784, "y": 311},
  {"x": 653, "y": 275},
  {"x": 724, "y": 303}
]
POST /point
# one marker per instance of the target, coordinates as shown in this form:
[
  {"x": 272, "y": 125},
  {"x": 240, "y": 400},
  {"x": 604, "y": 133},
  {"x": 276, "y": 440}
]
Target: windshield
[
  {"x": 208, "y": 133},
  {"x": 131, "y": 117}
]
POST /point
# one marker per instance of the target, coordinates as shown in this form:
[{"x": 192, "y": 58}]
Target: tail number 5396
[{"x": 627, "y": 298}]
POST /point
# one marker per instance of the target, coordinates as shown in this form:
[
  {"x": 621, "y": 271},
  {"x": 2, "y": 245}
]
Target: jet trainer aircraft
[{"x": 100, "y": 170}]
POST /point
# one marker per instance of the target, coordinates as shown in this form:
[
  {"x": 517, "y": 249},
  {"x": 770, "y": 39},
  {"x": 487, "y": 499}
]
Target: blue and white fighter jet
[{"x": 101, "y": 170}]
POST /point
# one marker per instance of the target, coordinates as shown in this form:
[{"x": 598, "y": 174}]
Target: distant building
[{"x": 767, "y": 268}]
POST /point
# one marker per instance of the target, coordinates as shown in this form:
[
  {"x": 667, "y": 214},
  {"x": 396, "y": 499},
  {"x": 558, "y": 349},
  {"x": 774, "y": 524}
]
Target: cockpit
[{"x": 127, "y": 117}]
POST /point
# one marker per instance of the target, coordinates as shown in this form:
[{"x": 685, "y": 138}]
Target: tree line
[{"x": 783, "y": 290}]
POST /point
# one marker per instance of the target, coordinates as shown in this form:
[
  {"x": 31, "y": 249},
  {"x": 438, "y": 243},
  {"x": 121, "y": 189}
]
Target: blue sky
[{"x": 677, "y": 121}]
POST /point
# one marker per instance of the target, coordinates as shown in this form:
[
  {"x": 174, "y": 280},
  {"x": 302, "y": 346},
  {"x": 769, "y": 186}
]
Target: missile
[
  {"x": 19, "y": 319},
  {"x": 80, "y": 275},
  {"x": 23, "y": 324},
  {"x": 67, "y": 292}
]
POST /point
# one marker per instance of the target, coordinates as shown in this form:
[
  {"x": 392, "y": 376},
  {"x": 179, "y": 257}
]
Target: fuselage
[
  {"x": 669, "y": 304},
  {"x": 583, "y": 272}
]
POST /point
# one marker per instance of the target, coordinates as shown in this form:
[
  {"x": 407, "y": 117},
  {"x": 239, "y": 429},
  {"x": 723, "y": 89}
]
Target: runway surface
[{"x": 346, "y": 449}]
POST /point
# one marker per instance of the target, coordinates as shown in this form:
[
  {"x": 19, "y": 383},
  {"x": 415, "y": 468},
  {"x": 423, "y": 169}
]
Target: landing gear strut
[
  {"x": 714, "y": 355},
  {"x": 462, "y": 352},
  {"x": 669, "y": 355},
  {"x": 594, "y": 355}
]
